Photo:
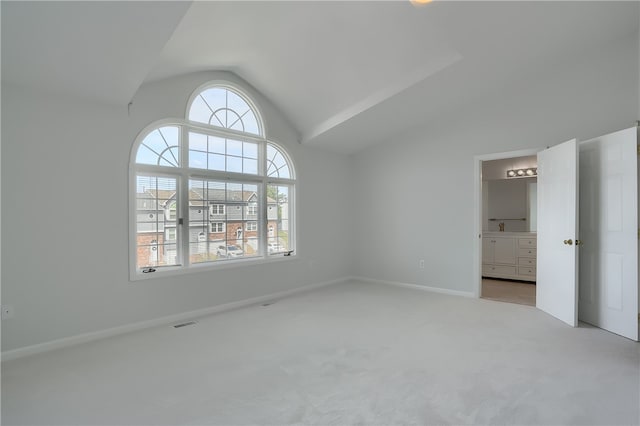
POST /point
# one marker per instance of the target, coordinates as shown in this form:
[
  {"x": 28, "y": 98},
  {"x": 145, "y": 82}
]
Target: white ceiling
[{"x": 345, "y": 74}]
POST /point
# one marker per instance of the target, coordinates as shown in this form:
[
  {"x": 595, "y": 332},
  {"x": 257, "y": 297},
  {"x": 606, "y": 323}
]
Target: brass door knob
[{"x": 568, "y": 242}]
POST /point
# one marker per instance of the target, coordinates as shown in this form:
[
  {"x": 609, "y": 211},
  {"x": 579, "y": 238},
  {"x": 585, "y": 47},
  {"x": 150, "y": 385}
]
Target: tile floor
[{"x": 523, "y": 293}]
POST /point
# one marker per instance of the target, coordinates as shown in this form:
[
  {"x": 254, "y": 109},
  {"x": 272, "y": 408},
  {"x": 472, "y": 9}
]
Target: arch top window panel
[
  {"x": 223, "y": 107},
  {"x": 209, "y": 190},
  {"x": 160, "y": 147},
  {"x": 278, "y": 165}
]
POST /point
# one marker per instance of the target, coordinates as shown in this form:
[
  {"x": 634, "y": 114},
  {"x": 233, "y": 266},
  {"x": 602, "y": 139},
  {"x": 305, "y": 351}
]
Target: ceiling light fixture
[
  {"x": 517, "y": 173},
  {"x": 420, "y": 2}
]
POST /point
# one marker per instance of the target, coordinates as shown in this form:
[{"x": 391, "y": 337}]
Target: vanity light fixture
[{"x": 517, "y": 173}]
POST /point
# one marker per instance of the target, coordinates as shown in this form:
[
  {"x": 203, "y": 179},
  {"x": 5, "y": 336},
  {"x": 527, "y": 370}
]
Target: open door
[
  {"x": 557, "y": 267},
  {"x": 608, "y": 223}
]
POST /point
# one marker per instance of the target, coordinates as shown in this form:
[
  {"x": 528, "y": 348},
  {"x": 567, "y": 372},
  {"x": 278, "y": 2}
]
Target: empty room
[{"x": 309, "y": 212}]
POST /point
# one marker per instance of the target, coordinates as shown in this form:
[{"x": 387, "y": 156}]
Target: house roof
[{"x": 202, "y": 197}]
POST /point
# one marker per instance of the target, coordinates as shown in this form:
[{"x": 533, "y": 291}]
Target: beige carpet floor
[{"x": 354, "y": 353}]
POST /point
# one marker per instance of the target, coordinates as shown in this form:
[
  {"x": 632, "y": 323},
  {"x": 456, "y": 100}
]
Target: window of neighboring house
[
  {"x": 216, "y": 209},
  {"x": 217, "y": 156},
  {"x": 216, "y": 227},
  {"x": 172, "y": 211}
]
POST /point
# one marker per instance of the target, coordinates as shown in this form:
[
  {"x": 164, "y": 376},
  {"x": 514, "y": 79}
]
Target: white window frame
[
  {"x": 223, "y": 227},
  {"x": 168, "y": 231},
  {"x": 217, "y": 207},
  {"x": 253, "y": 227},
  {"x": 183, "y": 173}
]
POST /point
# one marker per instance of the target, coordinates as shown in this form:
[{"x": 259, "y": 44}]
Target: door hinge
[{"x": 638, "y": 146}]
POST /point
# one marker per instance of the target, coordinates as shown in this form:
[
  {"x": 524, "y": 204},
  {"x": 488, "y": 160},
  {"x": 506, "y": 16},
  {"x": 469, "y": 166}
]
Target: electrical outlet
[
  {"x": 7, "y": 312},
  {"x": 421, "y": 263}
]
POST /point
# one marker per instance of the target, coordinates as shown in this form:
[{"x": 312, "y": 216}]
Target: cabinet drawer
[
  {"x": 524, "y": 270},
  {"x": 526, "y": 252},
  {"x": 498, "y": 270},
  {"x": 526, "y": 242},
  {"x": 527, "y": 261}
]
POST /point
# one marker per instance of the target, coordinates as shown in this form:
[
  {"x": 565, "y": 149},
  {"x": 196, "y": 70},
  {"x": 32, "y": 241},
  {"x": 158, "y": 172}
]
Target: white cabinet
[
  {"x": 499, "y": 250},
  {"x": 509, "y": 255}
]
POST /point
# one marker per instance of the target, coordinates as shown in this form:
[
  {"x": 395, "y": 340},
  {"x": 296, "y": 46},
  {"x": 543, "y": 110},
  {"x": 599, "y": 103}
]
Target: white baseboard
[
  {"x": 418, "y": 287},
  {"x": 171, "y": 319}
]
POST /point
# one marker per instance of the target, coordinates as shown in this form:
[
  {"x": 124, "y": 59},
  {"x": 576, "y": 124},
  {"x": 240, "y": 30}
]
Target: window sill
[{"x": 172, "y": 271}]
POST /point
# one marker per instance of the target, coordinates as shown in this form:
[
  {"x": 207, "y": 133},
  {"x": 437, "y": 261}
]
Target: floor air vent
[{"x": 184, "y": 324}]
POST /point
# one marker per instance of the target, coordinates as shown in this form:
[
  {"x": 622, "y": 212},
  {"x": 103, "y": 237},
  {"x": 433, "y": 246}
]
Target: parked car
[
  {"x": 229, "y": 251},
  {"x": 274, "y": 247}
]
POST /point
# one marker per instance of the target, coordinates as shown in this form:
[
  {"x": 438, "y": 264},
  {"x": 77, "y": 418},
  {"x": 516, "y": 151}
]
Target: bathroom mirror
[{"x": 510, "y": 202}]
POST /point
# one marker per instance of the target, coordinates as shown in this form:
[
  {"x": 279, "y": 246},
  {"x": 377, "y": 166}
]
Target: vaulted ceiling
[{"x": 345, "y": 74}]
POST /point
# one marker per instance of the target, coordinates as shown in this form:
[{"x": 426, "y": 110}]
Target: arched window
[{"x": 209, "y": 189}]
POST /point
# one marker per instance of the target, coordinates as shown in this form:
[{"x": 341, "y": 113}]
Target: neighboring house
[{"x": 216, "y": 218}]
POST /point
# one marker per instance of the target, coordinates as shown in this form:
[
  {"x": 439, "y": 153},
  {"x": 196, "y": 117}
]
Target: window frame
[
  {"x": 224, "y": 209},
  {"x": 183, "y": 173},
  {"x": 223, "y": 227}
]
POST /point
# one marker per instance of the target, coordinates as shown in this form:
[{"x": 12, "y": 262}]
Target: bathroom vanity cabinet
[{"x": 510, "y": 255}]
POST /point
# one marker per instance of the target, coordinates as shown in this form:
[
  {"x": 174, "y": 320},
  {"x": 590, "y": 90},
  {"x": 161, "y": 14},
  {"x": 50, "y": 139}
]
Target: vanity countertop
[{"x": 508, "y": 234}]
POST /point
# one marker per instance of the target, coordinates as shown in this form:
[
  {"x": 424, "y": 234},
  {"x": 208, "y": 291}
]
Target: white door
[
  {"x": 557, "y": 272},
  {"x": 608, "y": 223}
]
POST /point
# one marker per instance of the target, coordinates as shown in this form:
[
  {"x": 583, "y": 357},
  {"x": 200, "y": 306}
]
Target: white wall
[
  {"x": 497, "y": 169},
  {"x": 65, "y": 217},
  {"x": 417, "y": 193}
]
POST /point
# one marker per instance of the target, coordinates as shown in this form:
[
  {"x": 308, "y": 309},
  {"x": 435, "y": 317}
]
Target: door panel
[
  {"x": 608, "y": 226},
  {"x": 556, "y": 277}
]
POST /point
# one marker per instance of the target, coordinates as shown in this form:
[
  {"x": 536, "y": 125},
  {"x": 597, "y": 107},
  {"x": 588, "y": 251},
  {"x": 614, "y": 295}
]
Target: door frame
[{"x": 477, "y": 204}]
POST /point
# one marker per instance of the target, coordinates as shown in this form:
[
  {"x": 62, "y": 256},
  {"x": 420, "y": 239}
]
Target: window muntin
[
  {"x": 220, "y": 197},
  {"x": 277, "y": 164},
  {"x": 160, "y": 147},
  {"x": 236, "y": 197},
  {"x": 222, "y": 154},
  {"x": 153, "y": 193},
  {"x": 222, "y": 107},
  {"x": 278, "y": 217}
]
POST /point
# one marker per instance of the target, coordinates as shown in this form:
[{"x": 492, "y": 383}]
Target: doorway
[
  {"x": 506, "y": 223},
  {"x": 509, "y": 249},
  {"x": 598, "y": 226}
]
